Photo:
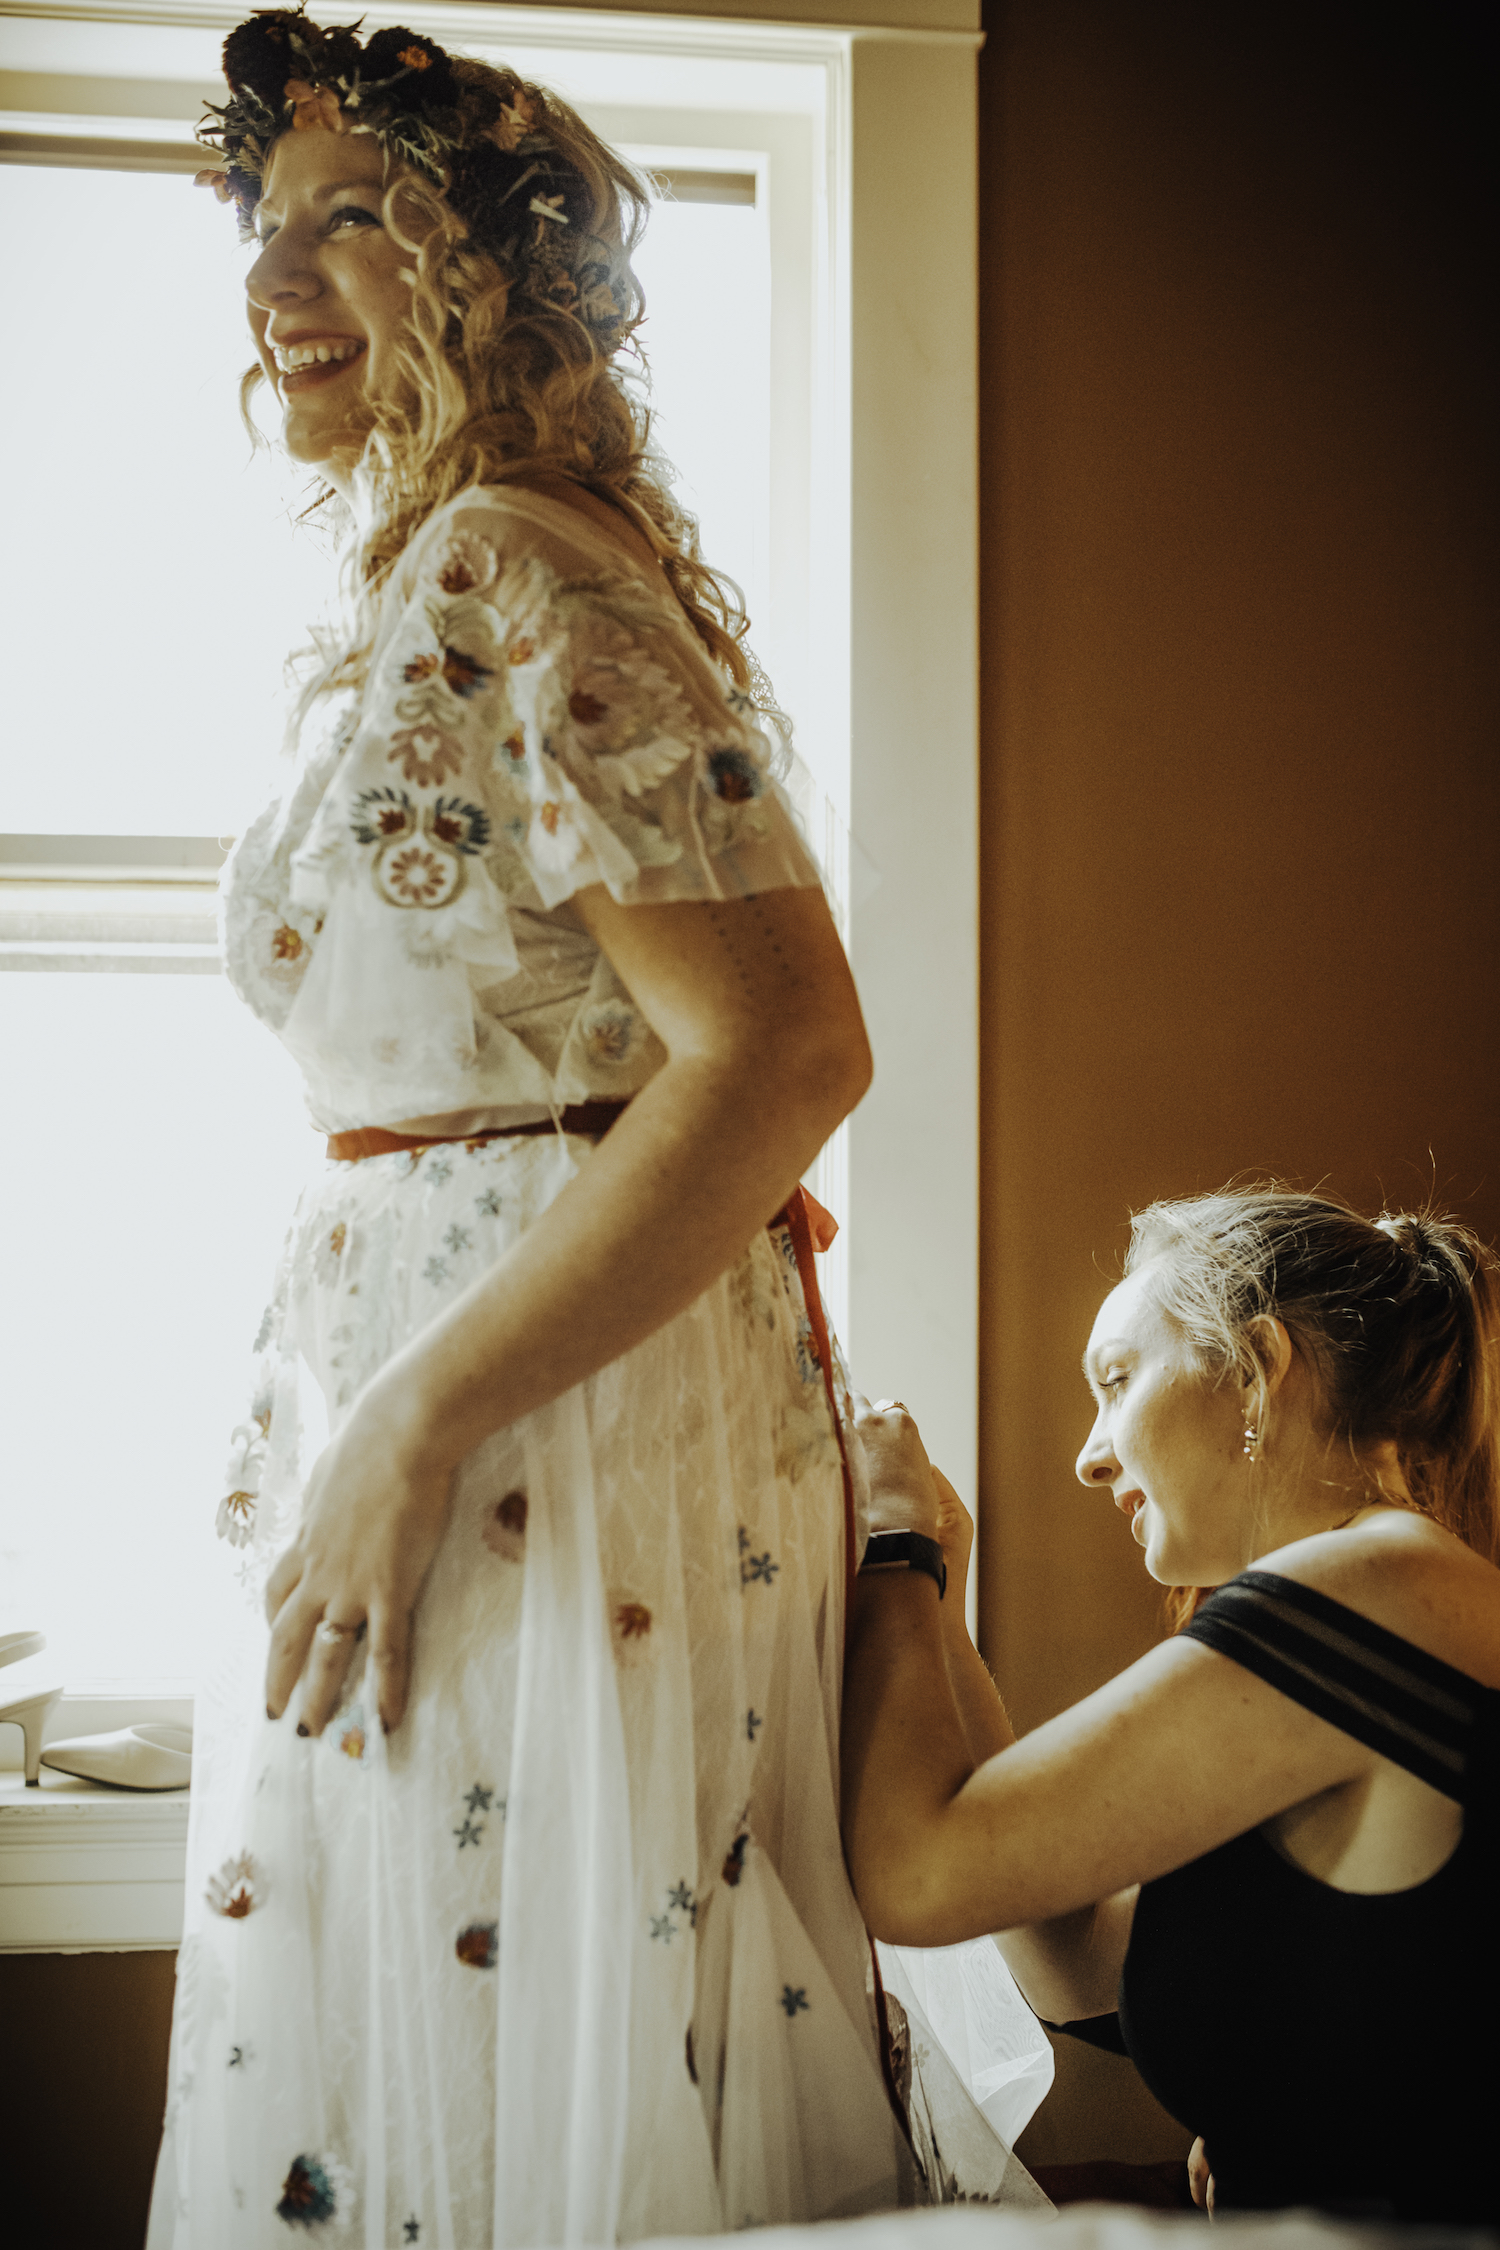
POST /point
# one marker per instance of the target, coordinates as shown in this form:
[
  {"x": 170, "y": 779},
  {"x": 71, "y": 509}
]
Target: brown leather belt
[{"x": 593, "y": 1119}]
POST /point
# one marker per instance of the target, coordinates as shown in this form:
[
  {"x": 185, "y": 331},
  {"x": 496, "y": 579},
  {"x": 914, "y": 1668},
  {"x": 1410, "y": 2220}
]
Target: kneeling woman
[{"x": 1271, "y": 1845}]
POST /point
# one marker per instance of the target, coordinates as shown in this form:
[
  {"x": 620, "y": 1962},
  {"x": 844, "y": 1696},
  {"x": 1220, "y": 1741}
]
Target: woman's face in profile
[
  {"x": 330, "y": 292},
  {"x": 1167, "y": 1442}
]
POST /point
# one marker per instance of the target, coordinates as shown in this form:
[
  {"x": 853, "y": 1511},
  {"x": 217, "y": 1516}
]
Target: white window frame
[{"x": 886, "y": 691}]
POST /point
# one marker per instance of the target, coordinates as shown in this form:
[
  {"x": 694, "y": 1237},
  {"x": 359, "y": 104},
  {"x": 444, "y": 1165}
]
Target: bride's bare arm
[{"x": 753, "y": 1000}]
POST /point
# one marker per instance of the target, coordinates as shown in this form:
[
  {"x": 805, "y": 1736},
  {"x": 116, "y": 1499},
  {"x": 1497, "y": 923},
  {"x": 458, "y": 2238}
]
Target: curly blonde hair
[{"x": 519, "y": 363}]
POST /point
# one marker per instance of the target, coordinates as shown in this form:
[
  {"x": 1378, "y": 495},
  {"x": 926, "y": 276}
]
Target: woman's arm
[{"x": 754, "y": 1003}]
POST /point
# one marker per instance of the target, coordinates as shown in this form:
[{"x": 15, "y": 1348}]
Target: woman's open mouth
[{"x": 306, "y": 367}]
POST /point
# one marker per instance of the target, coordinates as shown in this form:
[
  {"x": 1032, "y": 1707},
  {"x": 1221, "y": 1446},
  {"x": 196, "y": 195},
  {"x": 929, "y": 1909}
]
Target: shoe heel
[{"x": 30, "y": 1713}]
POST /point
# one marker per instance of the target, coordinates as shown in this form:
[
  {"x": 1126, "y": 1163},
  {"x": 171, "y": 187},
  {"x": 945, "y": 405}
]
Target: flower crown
[{"x": 485, "y": 146}]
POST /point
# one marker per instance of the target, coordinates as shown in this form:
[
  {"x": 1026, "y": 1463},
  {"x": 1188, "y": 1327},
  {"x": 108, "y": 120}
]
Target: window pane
[{"x": 154, "y": 1142}]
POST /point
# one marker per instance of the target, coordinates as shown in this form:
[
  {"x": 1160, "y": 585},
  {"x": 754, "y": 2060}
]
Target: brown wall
[{"x": 1240, "y": 783}]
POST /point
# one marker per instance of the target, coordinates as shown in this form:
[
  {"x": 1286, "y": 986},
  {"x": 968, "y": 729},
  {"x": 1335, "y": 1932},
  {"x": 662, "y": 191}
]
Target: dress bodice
[{"x": 537, "y": 716}]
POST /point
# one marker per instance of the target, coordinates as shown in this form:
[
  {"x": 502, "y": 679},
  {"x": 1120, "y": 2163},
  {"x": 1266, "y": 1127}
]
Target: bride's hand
[
  {"x": 374, "y": 1513},
  {"x": 903, "y": 1488}
]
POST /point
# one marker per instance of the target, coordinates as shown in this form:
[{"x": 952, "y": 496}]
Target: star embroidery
[
  {"x": 470, "y": 1832},
  {"x": 758, "y": 1566},
  {"x": 794, "y": 1999},
  {"x": 753, "y": 1720},
  {"x": 663, "y": 1927},
  {"x": 411, "y": 2230},
  {"x": 478, "y": 1799}
]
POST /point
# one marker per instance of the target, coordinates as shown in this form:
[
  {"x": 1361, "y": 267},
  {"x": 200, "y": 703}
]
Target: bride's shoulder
[{"x": 548, "y": 516}]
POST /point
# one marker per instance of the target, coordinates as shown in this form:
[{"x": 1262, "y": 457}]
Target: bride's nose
[{"x": 278, "y": 279}]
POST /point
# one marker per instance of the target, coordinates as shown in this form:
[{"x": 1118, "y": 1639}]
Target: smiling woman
[
  {"x": 1291, "y": 1806},
  {"x": 531, "y": 915}
]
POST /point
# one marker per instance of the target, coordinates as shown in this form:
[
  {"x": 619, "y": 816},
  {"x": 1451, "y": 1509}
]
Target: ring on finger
[{"x": 334, "y": 1636}]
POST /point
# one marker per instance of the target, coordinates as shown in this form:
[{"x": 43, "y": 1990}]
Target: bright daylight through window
[{"x": 154, "y": 1134}]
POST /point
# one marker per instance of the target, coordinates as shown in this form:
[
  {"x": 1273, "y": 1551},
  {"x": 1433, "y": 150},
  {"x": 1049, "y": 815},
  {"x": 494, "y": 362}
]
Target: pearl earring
[{"x": 1252, "y": 1442}]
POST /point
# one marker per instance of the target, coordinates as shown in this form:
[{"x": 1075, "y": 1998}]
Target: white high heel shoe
[
  {"x": 31, "y": 1711},
  {"x": 143, "y": 1757}
]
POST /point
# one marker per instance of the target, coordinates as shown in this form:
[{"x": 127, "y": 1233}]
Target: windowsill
[{"x": 89, "y": 1869}]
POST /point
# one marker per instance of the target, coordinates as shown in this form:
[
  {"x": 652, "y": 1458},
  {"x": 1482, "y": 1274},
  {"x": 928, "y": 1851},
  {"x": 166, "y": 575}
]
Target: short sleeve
[{"x": 542, "y": 717}]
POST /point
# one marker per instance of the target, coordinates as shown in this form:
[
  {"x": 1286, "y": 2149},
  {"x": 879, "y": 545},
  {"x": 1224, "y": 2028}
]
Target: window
[{"x": 133, "y": 754}]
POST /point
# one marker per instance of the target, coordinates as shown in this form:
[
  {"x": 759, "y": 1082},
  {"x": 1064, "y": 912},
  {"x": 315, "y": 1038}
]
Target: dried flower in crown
[{"x": 489, "y": 151}]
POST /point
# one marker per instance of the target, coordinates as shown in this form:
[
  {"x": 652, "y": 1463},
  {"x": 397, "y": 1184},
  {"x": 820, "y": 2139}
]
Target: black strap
[
  {"x": 913, "y": 1548},
  {"x": 1369, "y": 1683}
]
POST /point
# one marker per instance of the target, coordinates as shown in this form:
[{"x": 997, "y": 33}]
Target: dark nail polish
[{"x": 302, "y": 1730}]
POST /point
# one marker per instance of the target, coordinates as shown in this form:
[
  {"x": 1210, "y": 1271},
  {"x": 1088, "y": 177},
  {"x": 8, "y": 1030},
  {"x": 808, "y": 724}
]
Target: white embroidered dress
[{"x": 572, "y": 1956}]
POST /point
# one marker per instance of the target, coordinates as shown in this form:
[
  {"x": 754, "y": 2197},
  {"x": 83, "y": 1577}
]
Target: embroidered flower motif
[
  {"x": 351, "y": 1735},
  {"x": 663, "y": 1927},
  {"x": 235, "y": 1520},
  {"x": 286, "y": 943},
  {"x": 550, "y": 815},
  {"x": 435, "y": 1271},
  {"x": 479, "y": 1799},
  {"x": 420, "y": 668},
  {"x": 238, "y": 1889},
  {"x": 734, "y": 776},
  {"x": 471, "y": 1831},
  {"x": 338, "y": 1238},
  {"x": 514, "y": 745},
  {"x": 752, "y": 1566},
  {"x": 753, "y": 1721},
  {"x": 587, "y": 709},
  {"x": 478, "y": 1945},
  {"x": 318, "y": 2191},
  {"x": 462, "y": 825},
  {"x": 417, "y": 875},
  {"x": 521, "y": 651},
  {"x": 425, "y": 755},
  {"x": 505, "y": 1528},
  {"x": 734, "y": 1861},
  {"x": 382, "y": 815},
  {"x": 467, "y": 564},
  {"x": 247, "y": 1455},
  {"x": 610, "y": 1032},
  {"x": 458, "y": 1238},
  {"x": 465, "y": 675},
  {"x": 681, "y": 1897},
  {"x": 632, "y": 1621},
  {"x": 488, "y": 1204},
  {"x": 794, "y": 2000}
]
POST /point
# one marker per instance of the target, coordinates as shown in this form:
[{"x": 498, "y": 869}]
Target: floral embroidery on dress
[
  {"x": 610, "y": 1032},
  {"x": 235, "y": 1520},
  {"x": 425, "y": 755},
  {"x": 286, "y": 943},
  {"x": 350, "y": 1738},
  {"x": 379, "y": 816},
  {"x": 794, "y": 2000},
  {"x": 632, "y": 1621},
  {"x": 488, "y": 1204},
  {"x": 505, "y": 1527},
  {"x": 238, "y": 1889},
  {"x": 753, "y": 1566},
  {"x": 735, "y": 777},
  {"x": 478, "y": 1945},
  {"x": 318, "y": 2191},
  {"x": 467, "y": 564}
]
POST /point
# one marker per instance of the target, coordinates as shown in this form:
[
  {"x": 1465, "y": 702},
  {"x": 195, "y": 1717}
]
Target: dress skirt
[{"x": 572, "y": 1956}]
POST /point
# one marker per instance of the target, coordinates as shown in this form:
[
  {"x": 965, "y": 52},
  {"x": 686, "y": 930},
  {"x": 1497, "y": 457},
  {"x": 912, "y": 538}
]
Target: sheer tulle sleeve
[
  {"x": 538, "y": 721},
  {"x": 538, "y": 716}
]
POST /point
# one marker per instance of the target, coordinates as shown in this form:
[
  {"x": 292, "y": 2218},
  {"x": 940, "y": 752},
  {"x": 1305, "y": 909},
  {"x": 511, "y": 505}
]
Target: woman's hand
[
  {"x": 1200, "y": 2178},
  {"x": 375, "y": 1510},
  {"x": 903, "y": 1484}
]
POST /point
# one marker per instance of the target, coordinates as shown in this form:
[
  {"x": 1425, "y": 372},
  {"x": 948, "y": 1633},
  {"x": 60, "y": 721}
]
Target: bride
[{"x": 516, "y": 1907}]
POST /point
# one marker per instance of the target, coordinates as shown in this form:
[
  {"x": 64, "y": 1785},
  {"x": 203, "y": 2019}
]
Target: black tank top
[{"x": 1330, "y": 2046}]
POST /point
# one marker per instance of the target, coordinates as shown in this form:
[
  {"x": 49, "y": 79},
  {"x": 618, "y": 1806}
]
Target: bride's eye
[{"x": 352, "y": 211}]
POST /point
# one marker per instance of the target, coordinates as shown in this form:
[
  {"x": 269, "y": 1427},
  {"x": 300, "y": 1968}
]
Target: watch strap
[{"x": 913, "y": 1548}]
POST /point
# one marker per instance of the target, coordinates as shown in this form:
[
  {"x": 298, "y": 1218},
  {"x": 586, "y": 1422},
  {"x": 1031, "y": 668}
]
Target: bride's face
[
  {"x": 330, "y": 292},
  {"x": 1167, "y": 1442}
]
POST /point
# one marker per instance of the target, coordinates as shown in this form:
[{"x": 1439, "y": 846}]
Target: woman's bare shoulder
[{"x": 1402, "y": 1571}]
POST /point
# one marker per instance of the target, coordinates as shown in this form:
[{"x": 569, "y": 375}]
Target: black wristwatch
[{"x": 913, "y": 1548}]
